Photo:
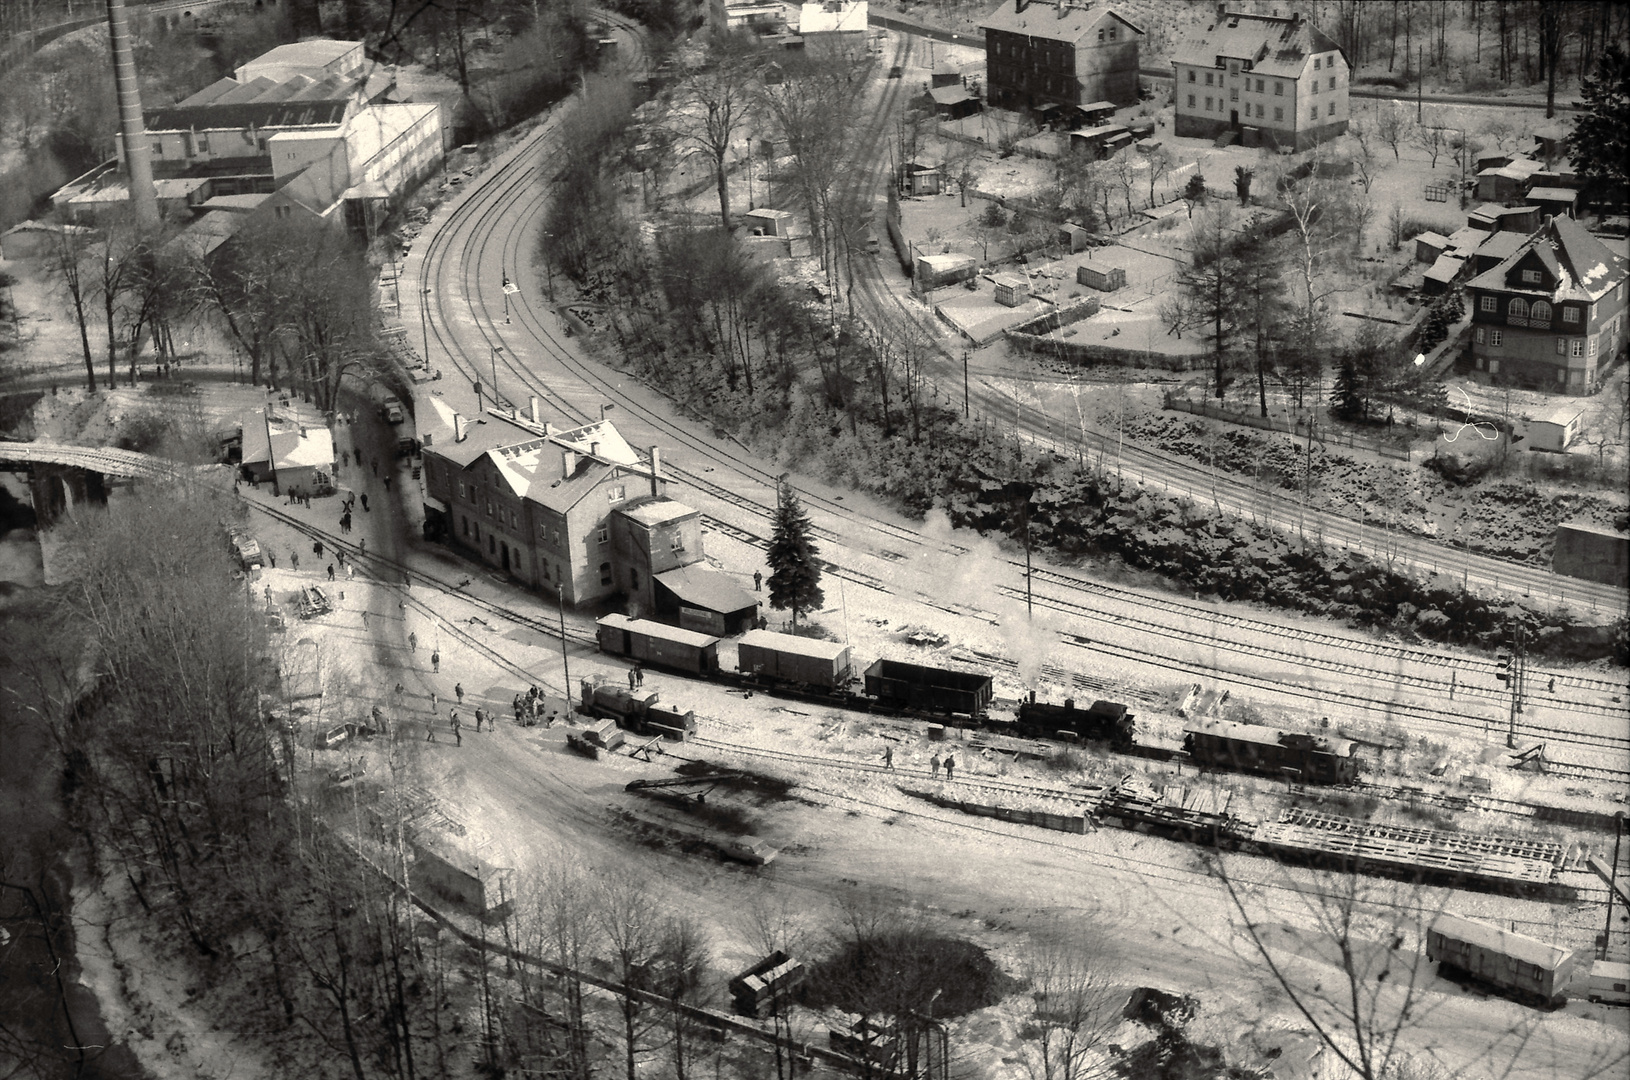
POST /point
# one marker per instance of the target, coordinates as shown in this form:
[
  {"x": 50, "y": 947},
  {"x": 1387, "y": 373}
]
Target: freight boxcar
[
  {"x": 1610, "y": 982},
  {"x": 1312, "y": 759},
  {"x": 1529, "y": 970},
  {"x": 893, "y": 682},
  {"x": 659, "y": 644},
  {"x": 1105, "y": 720},
  {"x": 764, "y": 654}
]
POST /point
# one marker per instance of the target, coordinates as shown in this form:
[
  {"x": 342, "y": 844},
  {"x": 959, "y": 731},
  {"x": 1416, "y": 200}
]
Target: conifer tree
[
  {"x": 1346, "y": 403},
  {"x": 795, "y": 576}
]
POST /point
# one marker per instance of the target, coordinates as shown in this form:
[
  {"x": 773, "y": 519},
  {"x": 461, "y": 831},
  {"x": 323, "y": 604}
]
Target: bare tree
[
  {"x": 1075, "y": 1000},
  {"x": 1391, "y": 126},
  {"x": 1160, "y": 166},
  {"x": 1123, "y": 169},
  {"x": 1364, "y": 162},
  {"x": 772, "y": 925},
  {"x": 1432, "y": 141},
  {"x": 70, "y": 256},
  {"x": 712, "y": 105},
  {"x": 631, "y": 927}
]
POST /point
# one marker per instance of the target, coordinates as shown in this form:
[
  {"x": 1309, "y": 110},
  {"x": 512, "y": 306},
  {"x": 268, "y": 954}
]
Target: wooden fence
[{"x": 1324, "y": 436}]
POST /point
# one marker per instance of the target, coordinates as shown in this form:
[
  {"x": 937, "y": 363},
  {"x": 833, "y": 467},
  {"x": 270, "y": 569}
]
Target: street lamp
[
  {"x": 424, "y": 322},
  {"x": 496, "y": 349}
]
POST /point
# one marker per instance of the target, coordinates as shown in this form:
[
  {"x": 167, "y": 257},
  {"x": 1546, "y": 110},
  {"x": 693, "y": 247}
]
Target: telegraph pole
[{"x": 1512, "y": 674}]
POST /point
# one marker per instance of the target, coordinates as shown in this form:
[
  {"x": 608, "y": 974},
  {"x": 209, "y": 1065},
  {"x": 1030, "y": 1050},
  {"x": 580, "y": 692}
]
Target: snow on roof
[
  {"x": 1583, "y": 266},
  {"x": 1561, "y": 415},
  {"x": 1552, "y": 194},
  {"x": 1500, "y": 244},
  {"x": 1071, "y": 23},
  {"x": 373, "y": 129},
  {"x": 1433, "y": 238},
  {"x": 942, "y": 263},
  {"x": 833, "y": 17},
  {"x": 663, "y": 630},
  {"x": 1516, "y": 946},
  {"x": 1274, "y": 45},
  {"x": 701, "y": 586},
  {"x": 285, "y": 441},
  {"x": 1446, "y": 268},
  {"x": 799, "y": 646},
  {"x": 657, "y": 511}
]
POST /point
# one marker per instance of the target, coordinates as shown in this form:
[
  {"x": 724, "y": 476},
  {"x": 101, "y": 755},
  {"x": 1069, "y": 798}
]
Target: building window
[
  {"x": 1191, "y": 101},
  {"x": 1100, "y": 33},
  {"x": 461, "y": 489},
  {"x": 513, "y": 523},
  {"x": 1562, "y": 346},
  {"x": 158, "y": 148},
  {"x": 1590, "y": 347},
  {"x": 492, "y": 544},
  {"x": 1233, "y": 94},
  {"x": 1318, "y": 62},
  {"x": 1481, "y": 337},
  {"x": 1541, "y": 311},
  {"x": 1208, "y": 103},
  {"x": 1561, "y": 375},
  {"x": 1494, "y": 339},
  {"x": 1313, "y": 113},
  {"x": 1259, "y": 112},
  {"x": 1208, "y": 78},
  {"x": 1112, "y": 31},
  {"x": 616, "y": 493},
  {"x": 1315, "y": 86},
  {"x": 1259, "y": 85},
  {"x": 1576, "y": 347},
  {"x": 466, "y": 524},
  {"x": 203, "y": 142},
  {"x": 1570, "y": 314},
  {"x": 677, "y": 542},
  {"x": 605, "y": 535},
  {"x": 1332, "y": 109},
  {"x": 1488, "y": 303},
  {"x": 489, "y": 508},
  {"x": 1279, "y": 89},
  {"x": 1530, "y": 277},
  {"x": 1278, "y": 113},
  {"x": 605, "y": 573},
  {"x": 1332, "y": 82},
  {"x": 1191, "y": 74}
]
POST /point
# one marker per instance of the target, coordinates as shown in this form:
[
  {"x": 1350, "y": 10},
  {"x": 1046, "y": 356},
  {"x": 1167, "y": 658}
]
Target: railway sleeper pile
[{"x": 1042, "y": 819}]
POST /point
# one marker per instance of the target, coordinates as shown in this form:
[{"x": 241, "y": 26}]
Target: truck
[
  {"x": 247, "y": 551},
  {"x": 1610, "y": 983},
  {"x": 1522, "y": 967},
  {"x": 391, "y": 410}
]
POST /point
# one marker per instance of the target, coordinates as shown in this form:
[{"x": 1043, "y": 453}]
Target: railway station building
[
  {"x": 1059, "y": 52},
  {"x": 575, "y": 512}
]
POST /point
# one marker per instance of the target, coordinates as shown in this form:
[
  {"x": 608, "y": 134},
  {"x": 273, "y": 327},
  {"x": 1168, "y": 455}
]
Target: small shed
[
  {"x": 1097, "y": 112},
  {"x": 1496, "y": 249},
  {"x": 1555, "y": 430},
  {"x": 1442, "y": 274},
  {"x": 1428, "y": 246},
  {"x": 33, "y": 239},
  {"x": 945, "y": 75},
  {"x": 1094, "y": 141},
  {"x": 1554, "y": 201},
  {"x": 700, "y": 598},
  {"x": 953, "y": 102},
  {"x": 767, "y": 222},
  {"x": 937, "y": 271},
  {"x": 1100, "y": 276},
  {"x": 452, "y": 874},
  {"x": 1592, "y": 553},
  {"x": 918, "y": 179},
  {"x": 1074, "y": 237},
  {"x": 1010, "y": 290}
]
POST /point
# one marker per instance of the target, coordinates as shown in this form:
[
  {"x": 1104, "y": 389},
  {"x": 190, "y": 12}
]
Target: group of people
[
  {"x": 934, "y": 762},
  {"x": 528, "y": 705}
]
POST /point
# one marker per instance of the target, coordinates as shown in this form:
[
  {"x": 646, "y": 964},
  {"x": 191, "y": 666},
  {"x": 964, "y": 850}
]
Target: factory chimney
[
  {"x": 656, "y": 472},
  {"x": 143, "y": 202}
]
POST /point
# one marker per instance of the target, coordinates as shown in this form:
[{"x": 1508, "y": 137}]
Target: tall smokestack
[
  {"x": 656, "y": 472},
  {"x": 143, "y": 203}
]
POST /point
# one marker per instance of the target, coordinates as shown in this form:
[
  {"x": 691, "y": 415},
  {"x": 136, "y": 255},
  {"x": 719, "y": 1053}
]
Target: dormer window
[
  {"x": 1530, "y": 277},
  {"x": 616, "y": 493}
]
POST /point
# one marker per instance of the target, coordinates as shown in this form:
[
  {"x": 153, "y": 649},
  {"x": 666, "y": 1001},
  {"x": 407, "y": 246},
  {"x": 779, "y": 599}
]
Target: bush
[
  {"x": 896, "y": 969},
  {"x": 993, "y": 217}
]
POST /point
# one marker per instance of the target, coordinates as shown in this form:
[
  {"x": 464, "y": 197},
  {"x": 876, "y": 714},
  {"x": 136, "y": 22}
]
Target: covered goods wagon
[
  {"x": 659, "y": 644},
  {"x": 1528, "y": 969},
  {"x": 895, "y": 682},
  {"x": 786, "y": 658}
]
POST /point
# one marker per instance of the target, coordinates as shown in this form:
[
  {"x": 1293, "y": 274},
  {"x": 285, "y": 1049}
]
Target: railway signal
[{"x": 1511, "y": 671}]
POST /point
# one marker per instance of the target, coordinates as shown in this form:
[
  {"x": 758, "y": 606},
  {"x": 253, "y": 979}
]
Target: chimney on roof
[
  {"x": 594, "y": 449},
  {"x": 458, "y": 428},
  {"x": 533, "y": 406},
  {"x": 568, "y": 464},
  {"x": 1019, "y": 6},
  {"x": 1061, "y": 8},
  {"x": 1222, "y": 12},
  {"x": 656, "y": 471},
  {"x": 548, "y": 428}
]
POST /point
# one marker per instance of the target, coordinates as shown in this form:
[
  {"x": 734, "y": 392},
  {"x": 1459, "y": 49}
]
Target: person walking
[
  {"x": 430, "y": 729},
  {"x": 435, "y": 661},
  {"x": 294, "y": 559},
  {"x": 950, "y": 765},
  {"x": 362, "y": 544},
  {"x": 433, "y": 703},
  {"x": 330, "y": 571},
  {"x": 413, "y": 643},
  {"x": 888, "y": 757},
  {"x": 458, "y": 732},
  {"x": 350, "y": 572},
  {"x": 272, "y": 557},
  {"x": 633, "y": 675},
  {"x": 365, "y": 618},
  {"x": 365, "y": 503},
  {"x": 639, "y": 674},
  {"x": 480, "y": 715},
  {"x": 317, "y": 548},
  {"x": 934, "y": 766},
  {"x": 458, "y": 691}
]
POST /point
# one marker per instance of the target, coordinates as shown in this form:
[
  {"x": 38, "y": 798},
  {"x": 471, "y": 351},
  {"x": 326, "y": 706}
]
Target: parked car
[{"x": 391, "y": 410}]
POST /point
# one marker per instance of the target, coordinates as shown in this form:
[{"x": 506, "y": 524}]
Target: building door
[
  {"x": 1233, "y": 118},
  {"x": 505, "y": 557}
]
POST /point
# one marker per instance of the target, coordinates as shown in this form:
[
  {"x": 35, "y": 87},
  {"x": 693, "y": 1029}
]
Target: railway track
[{"x": 480, "y": 218}]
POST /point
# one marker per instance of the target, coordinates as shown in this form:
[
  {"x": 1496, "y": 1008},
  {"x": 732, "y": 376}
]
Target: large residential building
[
  {"x": 1275, "y": 80},
  {"x": 1059, "y": 52},
  {"x": 1552, "y": 314}
]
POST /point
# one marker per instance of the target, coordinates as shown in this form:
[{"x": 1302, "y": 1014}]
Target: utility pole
[
  {"x": 565, "y": 665},
  {"x": 1420, "y": 79},
  {"x": 964, "y": 384},
  {"x": 424, "y": 322},
  {"x": 1511, "y": 673},
  {"x": 496, "y": 349},
  {"x": 1612, "y": 882}
]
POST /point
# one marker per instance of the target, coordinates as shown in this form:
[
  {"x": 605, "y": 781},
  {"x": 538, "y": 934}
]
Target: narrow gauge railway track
[
  {"x": 510, "y": 193},
  {"x": 1230, "y": 643},
  {"x": 1349, "y": 644}
]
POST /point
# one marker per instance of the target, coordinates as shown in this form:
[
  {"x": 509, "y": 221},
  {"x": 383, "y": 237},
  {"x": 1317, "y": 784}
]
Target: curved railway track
[{"x": 499, "y": 206}]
